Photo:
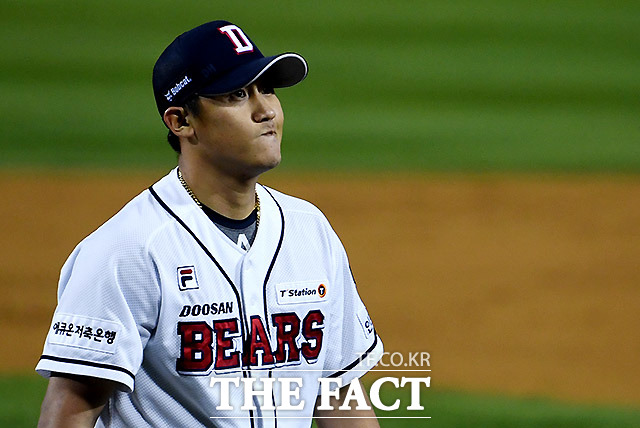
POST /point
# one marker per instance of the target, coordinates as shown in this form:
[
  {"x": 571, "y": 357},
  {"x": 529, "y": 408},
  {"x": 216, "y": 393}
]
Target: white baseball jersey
[{"x": 161, "y": 301}]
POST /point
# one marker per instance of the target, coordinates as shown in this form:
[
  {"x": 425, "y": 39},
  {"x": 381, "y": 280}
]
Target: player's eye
[
  {"x": 239, "y": 94},
  {"x": 267, "y": 90}
]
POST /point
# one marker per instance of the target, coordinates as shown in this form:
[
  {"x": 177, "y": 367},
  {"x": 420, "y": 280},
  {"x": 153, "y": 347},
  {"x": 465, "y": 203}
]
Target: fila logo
[
  {"x": 187, "y": 278},
  {"x": 238, "y": 38}
]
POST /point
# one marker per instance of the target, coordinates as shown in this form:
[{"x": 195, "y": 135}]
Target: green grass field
[
  {"x": 404, "y": 85},
  {"x": 438, "y": 85}
]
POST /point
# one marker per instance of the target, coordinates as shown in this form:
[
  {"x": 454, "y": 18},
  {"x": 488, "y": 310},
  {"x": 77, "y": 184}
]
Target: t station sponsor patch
[{"x": 289, "y": 293}]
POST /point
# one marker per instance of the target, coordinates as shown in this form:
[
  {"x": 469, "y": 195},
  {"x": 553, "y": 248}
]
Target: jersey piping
[
  {"x": 206, "y": 250},
  {"x": 273, "y": 261},
  {"x": 264, "y": 291},
  {"x": 87, "y": 363},
  {"x": 230, "y": 223},
  {"x": 234, "y": 229}
]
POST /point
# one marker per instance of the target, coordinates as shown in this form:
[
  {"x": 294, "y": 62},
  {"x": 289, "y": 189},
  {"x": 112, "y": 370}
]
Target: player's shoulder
[
  {"x": 293, "y": 205},
  {"x": 132, "y": 226}
]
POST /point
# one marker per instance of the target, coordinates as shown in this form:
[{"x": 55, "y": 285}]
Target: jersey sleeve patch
[
  {"x": 365, "y": 322},
  {"x": 84, "y": 332},
  {"x": 292, "y": 293}
]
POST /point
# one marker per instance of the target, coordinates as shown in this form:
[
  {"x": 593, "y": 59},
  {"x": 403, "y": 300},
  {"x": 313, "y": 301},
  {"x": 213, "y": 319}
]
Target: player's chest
[
  {"x": 224, "y": 283},
  {"x": 230, "y": 313}
]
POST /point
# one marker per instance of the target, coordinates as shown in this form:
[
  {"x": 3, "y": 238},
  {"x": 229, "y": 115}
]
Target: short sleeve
[
  {"x": 108, "y": 300},
  {"x": 360, "y": 347}
]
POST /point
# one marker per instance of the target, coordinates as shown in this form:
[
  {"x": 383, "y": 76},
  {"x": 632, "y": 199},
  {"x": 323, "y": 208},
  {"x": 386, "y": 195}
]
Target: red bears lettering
[
  {"x": 312, "y": 331},
  {"x": 288, "y": 328},
  {"x": 259, "y": 341},
  {"x": 197, "y": 340},
  {"x": 195, "y": 348},
  {"x": 225, "y": 331}
]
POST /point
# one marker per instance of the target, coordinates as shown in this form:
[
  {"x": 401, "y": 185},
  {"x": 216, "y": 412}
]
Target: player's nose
[{"x": 263, "y": 109}]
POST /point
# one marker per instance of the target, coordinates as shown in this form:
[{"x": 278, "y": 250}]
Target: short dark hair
[{"x": 192, "y": 106}]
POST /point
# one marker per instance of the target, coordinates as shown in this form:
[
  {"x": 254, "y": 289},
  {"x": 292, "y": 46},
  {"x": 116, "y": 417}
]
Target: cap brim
[{"x": 279, "y": 71}]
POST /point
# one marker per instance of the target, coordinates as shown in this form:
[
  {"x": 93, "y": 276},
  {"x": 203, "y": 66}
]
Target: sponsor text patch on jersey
[
  {"x": 84, "y": 332},
  {"x": 365, "y": 322},
  {"x": 290, "y": 293}
]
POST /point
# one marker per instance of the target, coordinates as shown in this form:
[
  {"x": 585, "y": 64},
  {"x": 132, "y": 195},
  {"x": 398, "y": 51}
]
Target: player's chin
[
  {"x": 272, "y": 163},
  {"x": 272, "y": 157},
  {"x": 266, "y": 164}
]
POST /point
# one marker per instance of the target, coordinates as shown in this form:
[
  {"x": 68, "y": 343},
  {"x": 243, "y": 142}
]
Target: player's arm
[
  {"x": 326, "y": 418},
  {"x": 74, "y": 401}
]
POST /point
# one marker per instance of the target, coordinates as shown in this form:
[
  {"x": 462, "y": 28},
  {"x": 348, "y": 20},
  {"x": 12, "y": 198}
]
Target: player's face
[{"x": 239, "y": 133}]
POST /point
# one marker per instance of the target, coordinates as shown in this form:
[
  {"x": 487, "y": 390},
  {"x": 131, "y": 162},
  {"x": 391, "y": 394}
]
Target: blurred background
[{"x": 479, "y": 160}]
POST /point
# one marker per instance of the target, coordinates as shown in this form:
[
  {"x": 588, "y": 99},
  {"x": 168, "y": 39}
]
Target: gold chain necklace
[{"x": 199, "y": 204}]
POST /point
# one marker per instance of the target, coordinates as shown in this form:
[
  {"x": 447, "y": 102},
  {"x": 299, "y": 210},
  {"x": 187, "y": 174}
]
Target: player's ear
[{"x": 177, "y": 120}]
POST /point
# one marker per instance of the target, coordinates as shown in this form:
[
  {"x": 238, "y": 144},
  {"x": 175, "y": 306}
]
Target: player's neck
[{"x": 232, "y": 197}]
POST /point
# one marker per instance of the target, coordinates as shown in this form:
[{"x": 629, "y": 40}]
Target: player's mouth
[{"x": 270, "y": 133}]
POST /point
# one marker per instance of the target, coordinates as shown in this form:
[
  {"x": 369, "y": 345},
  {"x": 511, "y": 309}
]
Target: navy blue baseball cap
[{"x": 217, "y": 58}]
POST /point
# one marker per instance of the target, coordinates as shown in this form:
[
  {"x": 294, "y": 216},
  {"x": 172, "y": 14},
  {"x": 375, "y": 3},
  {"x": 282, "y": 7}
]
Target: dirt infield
[{"x": 527, "y": 285}]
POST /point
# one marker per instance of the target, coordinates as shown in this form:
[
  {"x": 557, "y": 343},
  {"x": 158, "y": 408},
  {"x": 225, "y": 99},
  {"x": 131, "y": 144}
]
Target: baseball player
[{"x": 209, "y": 299}]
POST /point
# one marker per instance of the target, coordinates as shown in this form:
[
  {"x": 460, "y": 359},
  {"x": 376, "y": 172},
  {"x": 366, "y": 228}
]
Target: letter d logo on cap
[{"x": 235, "y": 34}]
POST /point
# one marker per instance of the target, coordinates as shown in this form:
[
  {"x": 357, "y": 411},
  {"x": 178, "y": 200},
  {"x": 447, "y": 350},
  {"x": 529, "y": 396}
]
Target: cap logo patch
[
  {"x": 238, "y": 38},
  {"x": 177, "y": 88}
]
